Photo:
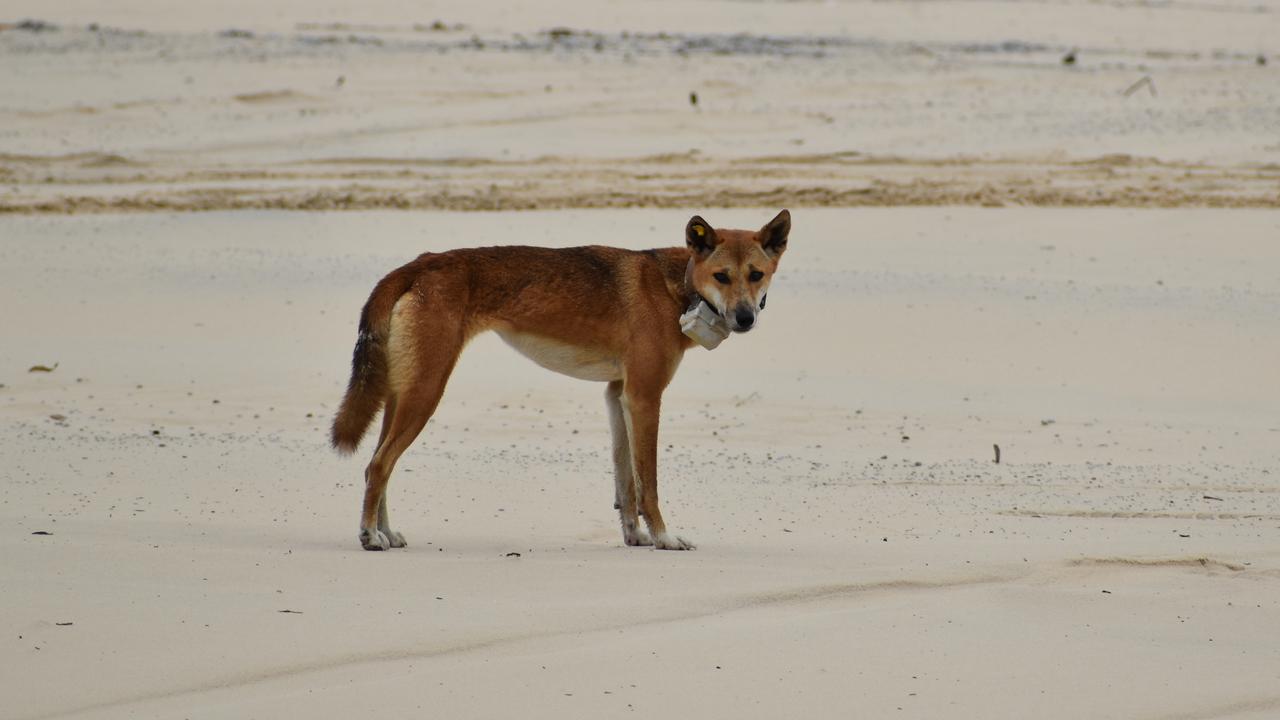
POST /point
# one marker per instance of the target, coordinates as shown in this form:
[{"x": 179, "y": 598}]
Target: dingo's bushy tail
[{"x": 369, "y": 385}]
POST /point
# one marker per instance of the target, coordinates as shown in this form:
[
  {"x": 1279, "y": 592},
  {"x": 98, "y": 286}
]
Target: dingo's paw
[
  {"x": 664, "y": 541},
  {"x": 396, "y": 539},
  {"x": 636, "y": 537},
  {"x": 374, "y": 540}
]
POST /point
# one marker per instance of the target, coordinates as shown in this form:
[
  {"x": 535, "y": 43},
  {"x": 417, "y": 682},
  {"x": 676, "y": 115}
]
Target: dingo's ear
[
  {"x": 699, "y": 236},
  {"x": 773, "y": 236}
]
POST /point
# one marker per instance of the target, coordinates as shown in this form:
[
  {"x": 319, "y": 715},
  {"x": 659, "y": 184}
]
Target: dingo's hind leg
[
  {"x": 375, "y": 530},
  {"x": 394, "y": 539},
  {"x": 423, "y": 348},
  {"x": 623, "y": 473}
]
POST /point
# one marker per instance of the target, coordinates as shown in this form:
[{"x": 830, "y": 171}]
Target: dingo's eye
[
  {"x": 722, "y": 278},
  {"x": 755, "y": 276}
]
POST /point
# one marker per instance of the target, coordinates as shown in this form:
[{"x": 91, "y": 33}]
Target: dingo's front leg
[
  {"x": 623, "y": 474},
  {"x": 641, "y": 416}
]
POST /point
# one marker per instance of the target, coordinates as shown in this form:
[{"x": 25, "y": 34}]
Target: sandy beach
[{"x": 991, "y": 247}]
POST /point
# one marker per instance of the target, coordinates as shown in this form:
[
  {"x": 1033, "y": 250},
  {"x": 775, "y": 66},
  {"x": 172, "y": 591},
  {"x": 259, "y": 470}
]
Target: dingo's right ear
[{"x": 699, "y": 236}]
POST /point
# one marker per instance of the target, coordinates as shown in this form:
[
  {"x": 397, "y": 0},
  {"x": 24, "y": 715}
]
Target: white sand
[
  {"x": 307, "y": 106},
  {"x": 839, "y": 565},
  {"x": 860, "y": 554}
]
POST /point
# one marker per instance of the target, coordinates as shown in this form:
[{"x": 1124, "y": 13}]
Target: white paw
[
  {"x": 664, "y": 541},
  {"x": 635, "y": 537},
  {"x": 373, "y": 540},
  {"x": 396, "y": 539}
]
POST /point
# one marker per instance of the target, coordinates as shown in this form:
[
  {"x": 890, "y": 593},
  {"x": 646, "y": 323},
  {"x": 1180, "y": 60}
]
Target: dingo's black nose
[{"x": 745, "y": 320}]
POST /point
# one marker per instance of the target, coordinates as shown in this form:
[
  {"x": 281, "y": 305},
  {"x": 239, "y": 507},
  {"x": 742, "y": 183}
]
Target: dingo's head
[{"x": 731, "y": 269}]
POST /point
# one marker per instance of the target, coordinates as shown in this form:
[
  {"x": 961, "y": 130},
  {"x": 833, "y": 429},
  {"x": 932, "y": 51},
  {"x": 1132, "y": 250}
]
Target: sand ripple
[{"x": 95, "y": 182}]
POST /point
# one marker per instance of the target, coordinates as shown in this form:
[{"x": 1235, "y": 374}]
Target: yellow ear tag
[{"x": 699, "y": 230}]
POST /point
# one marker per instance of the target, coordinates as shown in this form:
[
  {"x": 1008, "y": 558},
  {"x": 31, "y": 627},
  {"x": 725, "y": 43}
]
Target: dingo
[{"x": 595, "y": 313}]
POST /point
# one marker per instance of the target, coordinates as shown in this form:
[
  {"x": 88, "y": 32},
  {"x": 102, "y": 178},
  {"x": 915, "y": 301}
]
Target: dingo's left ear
[
  {"x": 699, "y": 236},
  {"x": 773, "y": 236}
]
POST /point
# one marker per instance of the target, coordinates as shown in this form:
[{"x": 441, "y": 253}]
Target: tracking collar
[{"x": 703, "y": 323}]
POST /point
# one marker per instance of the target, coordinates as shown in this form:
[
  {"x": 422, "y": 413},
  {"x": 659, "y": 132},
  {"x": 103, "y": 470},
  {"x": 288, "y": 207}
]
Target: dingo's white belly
[{"x": 577, "y": 362}]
